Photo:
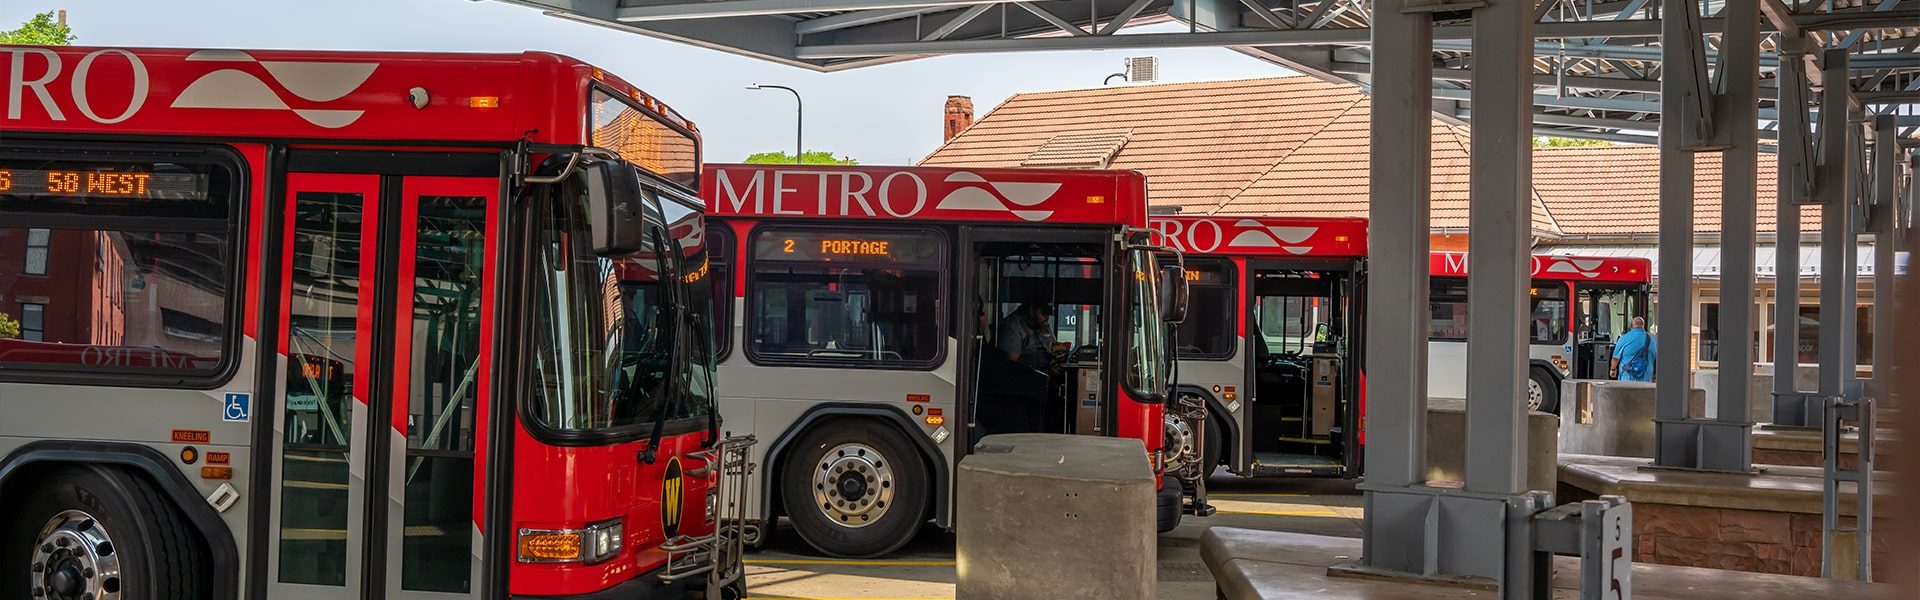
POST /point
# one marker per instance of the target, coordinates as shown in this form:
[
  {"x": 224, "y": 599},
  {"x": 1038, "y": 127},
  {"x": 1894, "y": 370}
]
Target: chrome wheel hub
[
  {"x": 75, "y": 559},
  {"x": 853, "y": 485},
  {"x": 1536, "y": 394},
  {"x": 1180, "y": 440}
]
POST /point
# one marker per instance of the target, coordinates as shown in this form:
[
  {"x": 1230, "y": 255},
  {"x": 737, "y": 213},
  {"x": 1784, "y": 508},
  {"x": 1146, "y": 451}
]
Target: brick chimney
[{"x": 959, "y": 115}]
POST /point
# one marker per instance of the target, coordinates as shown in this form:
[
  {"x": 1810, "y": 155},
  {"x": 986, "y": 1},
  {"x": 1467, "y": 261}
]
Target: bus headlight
[
  {"x": 596, "y": 543},
  {"x": 601, "y": 541}
]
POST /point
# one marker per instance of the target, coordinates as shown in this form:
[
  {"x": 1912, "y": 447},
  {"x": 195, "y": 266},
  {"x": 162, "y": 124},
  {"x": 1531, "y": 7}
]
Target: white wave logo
[
  {"x": 311, "y": 81},
  {"x": 1288, "y": 238},
  {"x": 1588, "y": 268},
  {"x": 1002, "y": 193}
]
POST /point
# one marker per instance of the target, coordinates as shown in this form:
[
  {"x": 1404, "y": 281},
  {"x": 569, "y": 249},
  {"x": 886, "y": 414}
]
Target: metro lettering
[
  {"x": 779, "y": 189},
  {"x": 847, "y": 192},
  {"x": 19, "y": 81},
  {"x": 1193, "y": 236},
  {"x": 919, "y": 198},
  {"x": 736, "y": 200},
  {"x": 81, "y": 70}
]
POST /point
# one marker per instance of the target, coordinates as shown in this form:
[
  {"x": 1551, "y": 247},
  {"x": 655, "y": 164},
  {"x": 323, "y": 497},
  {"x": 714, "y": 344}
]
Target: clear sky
[{"x": 888, "y": 114}]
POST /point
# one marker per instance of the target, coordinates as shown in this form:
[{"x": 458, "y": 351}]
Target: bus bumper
[
  {"x": 646, "y": 586},
  {"x": 1167, "y": 509}
]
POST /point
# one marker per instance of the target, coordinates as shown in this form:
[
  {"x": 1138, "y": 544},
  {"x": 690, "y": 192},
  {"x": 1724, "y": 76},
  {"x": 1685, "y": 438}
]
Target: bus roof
[
  {"x": 1265, "y": 236},
  {"x": 1597, "y": 269},
  {"x": 1038, "y": 196},
  {"x": 307, "y": 95}
]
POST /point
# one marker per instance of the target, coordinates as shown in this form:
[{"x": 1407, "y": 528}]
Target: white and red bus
[
  {"x": 867, "y": 306},
  {"x": 1272, "y": 341},
  {"x": 1578, "y": 306},
  {"x": 372, "y": 325}
]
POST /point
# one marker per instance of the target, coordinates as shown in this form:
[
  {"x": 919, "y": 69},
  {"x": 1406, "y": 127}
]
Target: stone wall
[{"x": 1744, "y": 540}]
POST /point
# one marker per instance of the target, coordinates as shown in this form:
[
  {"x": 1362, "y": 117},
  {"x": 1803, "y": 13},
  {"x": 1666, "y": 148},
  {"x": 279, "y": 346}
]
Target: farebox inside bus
[{"x": 1038, "y": 331}]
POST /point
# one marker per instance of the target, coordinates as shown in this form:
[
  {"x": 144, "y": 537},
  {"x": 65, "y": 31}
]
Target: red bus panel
[
  {"x": 1265, "y": 236},
  {"x": 1041, "y": 196},
  {"x": 357, "y": 96},
  {"x": 1559, "y": 268}
]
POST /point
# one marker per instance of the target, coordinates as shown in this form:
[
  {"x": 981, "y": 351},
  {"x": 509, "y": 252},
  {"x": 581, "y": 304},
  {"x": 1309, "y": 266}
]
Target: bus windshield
[
  {"x": 1147, "y": 355},
  {"x": 607, "y": 341},
  {"x": 1606, "y": 311}
]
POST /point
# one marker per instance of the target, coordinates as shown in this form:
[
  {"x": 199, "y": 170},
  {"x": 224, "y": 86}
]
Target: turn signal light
[
  {"x": 216, "y": 472},
  {"x": 936, "y": 420},
  {"x": 549, "y": 546}
]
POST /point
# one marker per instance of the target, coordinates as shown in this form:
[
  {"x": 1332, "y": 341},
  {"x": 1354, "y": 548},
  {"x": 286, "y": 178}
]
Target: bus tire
[
  {"x": 1540, "y": 385},
  {"x": 855, "y": 489},
  {"x": 88, "y": 531},
  {"x": 1210, "y": 455}
]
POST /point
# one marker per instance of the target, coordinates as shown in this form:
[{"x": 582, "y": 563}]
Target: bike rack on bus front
[{"x": 719, "y": 555}]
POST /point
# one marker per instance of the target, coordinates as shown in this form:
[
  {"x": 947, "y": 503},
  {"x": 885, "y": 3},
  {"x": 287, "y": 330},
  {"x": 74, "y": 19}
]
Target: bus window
[
  {"x": 123, "y": 266},
  {"x": 866, "y": 298},
  {"x": 1209, "y": 330},
  {"x": 1447, "y": 312},
  {"x": 1547, "y": 323},
  {"x": 604, "y": 339},
  {"x": 1606, "y": 312}
]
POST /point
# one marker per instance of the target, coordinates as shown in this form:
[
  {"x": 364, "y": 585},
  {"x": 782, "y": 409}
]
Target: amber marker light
[
  {"x": 484, "y": 102},
  {"x": 549, "y": 546}
]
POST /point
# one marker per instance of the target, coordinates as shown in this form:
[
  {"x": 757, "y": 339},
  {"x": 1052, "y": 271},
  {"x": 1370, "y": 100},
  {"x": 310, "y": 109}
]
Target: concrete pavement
[{"x": 923, "y": 570}]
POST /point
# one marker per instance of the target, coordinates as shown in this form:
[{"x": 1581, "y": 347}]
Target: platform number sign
[
  {"x": 1616, "y": 557},
  {"x": 237, "y": 407}
]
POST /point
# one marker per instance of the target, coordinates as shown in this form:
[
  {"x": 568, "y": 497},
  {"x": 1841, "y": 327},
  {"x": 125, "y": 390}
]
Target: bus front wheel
[
  {"x": 97, "y": 533},
  {"x": 855, "y": 489},
  {"x": 1542, "y": 394}
]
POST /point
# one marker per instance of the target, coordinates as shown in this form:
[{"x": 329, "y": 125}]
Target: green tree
[
  {"x": 9, "y": 328},
  {"x": 1560, "y": 142},
  {"x": 42, "y": 30},
  {"x": 812, "y": 157}
]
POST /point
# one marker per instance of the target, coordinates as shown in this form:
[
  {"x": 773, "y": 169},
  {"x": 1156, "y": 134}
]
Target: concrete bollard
[
  {"x": 1049, "y": 516},
  {"x": 1612, "y": 418},
  {"x": 1447, "y": 448}
]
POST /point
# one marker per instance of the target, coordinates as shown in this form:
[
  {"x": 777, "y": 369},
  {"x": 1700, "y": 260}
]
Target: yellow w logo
[{"x": 671, "y": 497}]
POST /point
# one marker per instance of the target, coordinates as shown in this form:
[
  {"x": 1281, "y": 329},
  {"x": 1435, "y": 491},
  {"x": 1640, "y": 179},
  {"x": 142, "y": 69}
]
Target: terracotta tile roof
[
  {"x": 1090, "y": 150},
  {"x": 1298, "y": 146},
  {"x": 1606, "y": 190}
]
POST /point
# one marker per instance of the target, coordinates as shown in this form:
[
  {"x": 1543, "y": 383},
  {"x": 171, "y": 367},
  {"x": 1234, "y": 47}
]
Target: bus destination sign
[{"x": 102, "y": 183}]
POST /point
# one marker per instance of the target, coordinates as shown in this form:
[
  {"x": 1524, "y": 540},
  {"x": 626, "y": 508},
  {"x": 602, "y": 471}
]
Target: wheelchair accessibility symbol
[{"x": 237, "y": 406}]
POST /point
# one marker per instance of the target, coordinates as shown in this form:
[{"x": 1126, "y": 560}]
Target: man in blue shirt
[{"x": 1634, "y": 354}]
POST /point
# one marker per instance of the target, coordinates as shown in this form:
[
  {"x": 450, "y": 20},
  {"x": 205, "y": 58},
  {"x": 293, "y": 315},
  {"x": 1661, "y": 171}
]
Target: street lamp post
[{"x": 798, "y": 111}]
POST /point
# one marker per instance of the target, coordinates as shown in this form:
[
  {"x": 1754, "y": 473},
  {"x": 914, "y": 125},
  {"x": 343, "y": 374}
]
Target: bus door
[
  {"x": 1605, "y": 312},
  {"x": 1048, "y": 287},
  {"x": 1301, "y": 417},
  {"x": 386, "y": 285}
]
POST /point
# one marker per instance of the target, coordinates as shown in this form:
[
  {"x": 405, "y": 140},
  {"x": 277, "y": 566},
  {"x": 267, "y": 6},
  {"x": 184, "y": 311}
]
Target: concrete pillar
[
  {"x": 1681, "y": 123},
  {"x": 1795, "y": 162},
  {"x": 1832, "y": 190},
  {"x": 1740, "y": 174},
  {"x": 1500, "y": 234},
  {"x": 1397, "y": 319}
]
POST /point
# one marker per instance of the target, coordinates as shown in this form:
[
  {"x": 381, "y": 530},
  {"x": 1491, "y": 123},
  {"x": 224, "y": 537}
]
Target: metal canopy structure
[
  {"x": 1596, "y": 63},
  {"x": 1705, "y": 76}
]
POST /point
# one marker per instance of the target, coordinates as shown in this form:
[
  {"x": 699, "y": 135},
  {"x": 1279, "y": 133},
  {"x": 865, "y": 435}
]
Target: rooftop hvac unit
[{"x": 1143, "y": 69}]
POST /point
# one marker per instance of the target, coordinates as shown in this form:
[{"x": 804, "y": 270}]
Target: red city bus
[
  {"x": 377, "y": 325},
  {"x": 1270, "y": 344},
  {"x": 1578, "y": 306},
  {"x": 1272, "y": 339},
  {"x": 869, "y": 306}
]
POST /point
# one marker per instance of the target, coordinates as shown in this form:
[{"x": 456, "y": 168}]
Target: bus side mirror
[
  {"x": 1173, "y": 294},
  {"x": 615, "y": 205}
]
